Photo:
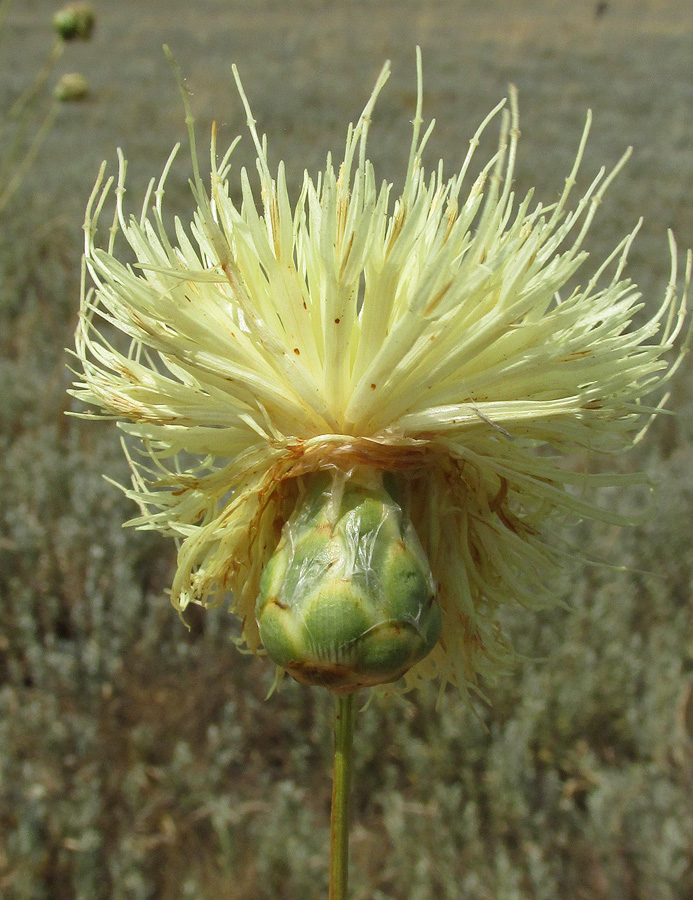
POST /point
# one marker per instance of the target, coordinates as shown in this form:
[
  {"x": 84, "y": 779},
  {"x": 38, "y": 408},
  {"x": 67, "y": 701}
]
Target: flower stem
[{"x": 341, "y": 786}]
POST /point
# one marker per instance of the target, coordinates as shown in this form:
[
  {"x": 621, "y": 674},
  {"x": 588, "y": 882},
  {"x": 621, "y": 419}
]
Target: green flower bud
[
  {"x": 347, "y": 599},
  {"x": 75, "y": 22},
  {"x": 71, "y": 87}
]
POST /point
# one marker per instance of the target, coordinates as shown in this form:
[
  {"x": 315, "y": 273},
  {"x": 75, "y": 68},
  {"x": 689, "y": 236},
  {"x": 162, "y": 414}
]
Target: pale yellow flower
[{"x": 422, "y": 333}]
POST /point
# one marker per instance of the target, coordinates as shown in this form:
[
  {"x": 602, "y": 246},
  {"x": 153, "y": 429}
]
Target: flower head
[{"x": 422, "y": 334}]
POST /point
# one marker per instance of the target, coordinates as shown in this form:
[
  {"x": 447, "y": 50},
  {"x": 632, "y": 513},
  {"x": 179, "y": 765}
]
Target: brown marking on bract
[
  {"x": 338, "y": 677},
  {"x": 451, "y": 217},
  {"x": 190, "y": 486},
  {"x": 500, "y": 499},
  {"x": 438, "y": 297},
  {"x": 324, "y": 528},
  {"x": 400, "y": 216},
  {"x": 345, "y": 260},
  {"x": 330, "y": 675}
]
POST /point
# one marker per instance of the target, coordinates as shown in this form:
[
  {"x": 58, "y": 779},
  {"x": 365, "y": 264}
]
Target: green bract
[{"x": 347, "y": 599}]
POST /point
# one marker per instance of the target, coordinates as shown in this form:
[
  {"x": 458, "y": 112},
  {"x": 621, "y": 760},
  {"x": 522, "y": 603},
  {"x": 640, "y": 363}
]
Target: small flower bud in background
[
  {"x": 347, "y": 599},
  {"x": 75, "y": 22},
  {"x": 71, "y": 87}
]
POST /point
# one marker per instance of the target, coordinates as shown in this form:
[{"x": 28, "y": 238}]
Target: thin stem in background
[
  {"x": 17, "y": 159},
  {"x": 341, "y": 788}
]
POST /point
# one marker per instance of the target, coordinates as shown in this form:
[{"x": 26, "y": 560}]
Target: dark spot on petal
[
  {"x": 372, "y": 387},
  {"x": 297, "y": 351},
  {"x": 336, "y": 321}
]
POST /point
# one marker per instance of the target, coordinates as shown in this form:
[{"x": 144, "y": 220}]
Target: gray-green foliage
[{"x": 140, "y": 761}]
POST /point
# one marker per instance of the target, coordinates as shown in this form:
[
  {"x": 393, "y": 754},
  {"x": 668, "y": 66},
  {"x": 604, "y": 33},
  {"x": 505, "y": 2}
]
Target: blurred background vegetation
[{"x": 141, "y": 761}]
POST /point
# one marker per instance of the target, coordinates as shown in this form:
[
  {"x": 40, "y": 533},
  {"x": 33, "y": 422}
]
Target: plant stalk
[{"x": 341, "y": 788}]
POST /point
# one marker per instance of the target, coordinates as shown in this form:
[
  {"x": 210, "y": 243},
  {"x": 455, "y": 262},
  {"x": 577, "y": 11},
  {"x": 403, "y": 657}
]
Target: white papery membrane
[{"x": 425, "y": 333}]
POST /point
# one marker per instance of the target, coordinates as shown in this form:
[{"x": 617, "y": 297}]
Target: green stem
[{"x": 341, "y": 786}]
